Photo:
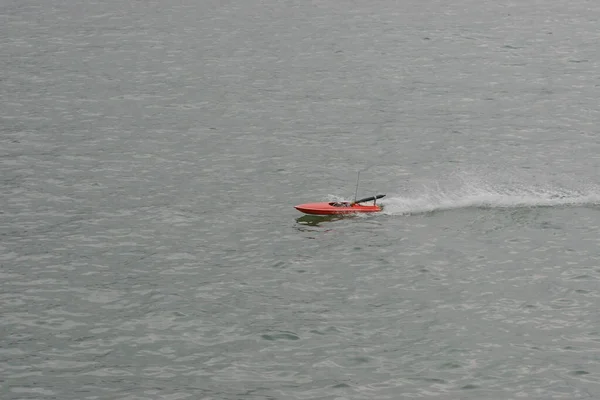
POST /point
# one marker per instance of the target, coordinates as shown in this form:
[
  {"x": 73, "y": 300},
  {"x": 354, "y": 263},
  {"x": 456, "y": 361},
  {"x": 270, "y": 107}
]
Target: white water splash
[{"x": 479, "y": 194}]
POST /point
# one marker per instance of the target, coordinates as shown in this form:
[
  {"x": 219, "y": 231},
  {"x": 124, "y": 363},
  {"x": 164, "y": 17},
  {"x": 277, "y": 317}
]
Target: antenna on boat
[{"x": 356, "y": 191}]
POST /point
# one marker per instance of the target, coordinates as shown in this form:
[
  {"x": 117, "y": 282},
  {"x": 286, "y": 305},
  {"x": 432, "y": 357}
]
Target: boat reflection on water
[{"x": 316, "y": 220}]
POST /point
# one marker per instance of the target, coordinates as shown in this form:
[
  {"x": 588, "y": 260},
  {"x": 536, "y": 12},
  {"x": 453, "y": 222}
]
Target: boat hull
[{"x": 333, "y": 208}]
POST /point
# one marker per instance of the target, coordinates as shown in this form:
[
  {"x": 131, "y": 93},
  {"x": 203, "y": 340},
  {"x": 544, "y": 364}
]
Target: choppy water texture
[{"x": 151, "y": 153}]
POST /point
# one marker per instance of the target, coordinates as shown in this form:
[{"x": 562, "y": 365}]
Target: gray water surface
[{"x": 151, "y": 154}]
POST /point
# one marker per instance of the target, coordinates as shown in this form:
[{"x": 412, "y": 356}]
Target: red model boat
[{"x": 341, "y": 207}]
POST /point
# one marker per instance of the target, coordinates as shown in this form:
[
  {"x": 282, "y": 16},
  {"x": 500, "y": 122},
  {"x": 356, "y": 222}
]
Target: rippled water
[{"x": 152, "y": 152}]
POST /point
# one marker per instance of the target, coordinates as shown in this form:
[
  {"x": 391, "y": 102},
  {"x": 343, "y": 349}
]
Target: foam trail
[{"x": 488, "y": 196}]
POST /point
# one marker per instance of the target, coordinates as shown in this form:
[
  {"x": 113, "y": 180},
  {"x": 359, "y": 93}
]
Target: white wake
[{"x": 478, "y": 194}]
